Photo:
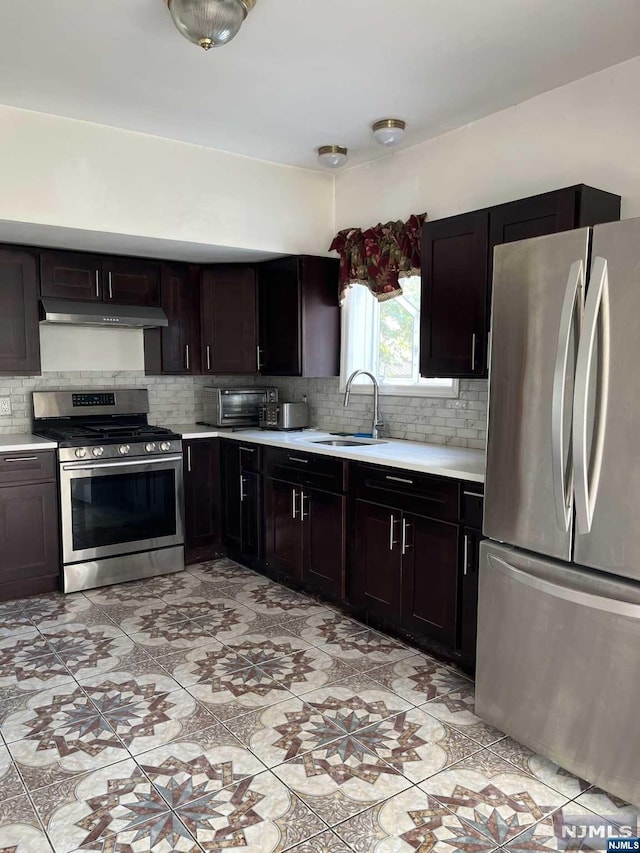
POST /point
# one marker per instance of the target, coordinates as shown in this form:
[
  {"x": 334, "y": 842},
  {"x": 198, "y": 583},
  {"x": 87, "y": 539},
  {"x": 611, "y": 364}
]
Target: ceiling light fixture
[
  {"x": 209, "y": 23},
  {"x": 389, "y": 131},
  {"x": 332, "y": 156}
]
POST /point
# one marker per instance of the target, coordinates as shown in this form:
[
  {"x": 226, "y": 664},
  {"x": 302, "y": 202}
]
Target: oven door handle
[{"x": 129, "y": 464}]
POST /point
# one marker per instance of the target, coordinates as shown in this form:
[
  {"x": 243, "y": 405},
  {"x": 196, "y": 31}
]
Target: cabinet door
[
  {"x": 283, "y": 546},
  {"x": 280, "y": 318},
  {"x": 229, "y": 320},
  {"x": 469, "y": 603},
  {"x": 131, "y": 281},
  {"x": 251, "y": 511},
  {"x": 323, "y": 561},
  {"x": 19, "y": 332},
  {"x": 377, "y": 577},
  {"x": 29, "y": 552},
  {"x": 201, "y": 498},
  {"x": 174, "y": 349},
  {"x": 532, "y": 217},
  {"x": 453, "y": 316},
  {"x": 231, "y": 503},
  {"x": 71, "y": 275},
  {"x": 430, "y": 578}
]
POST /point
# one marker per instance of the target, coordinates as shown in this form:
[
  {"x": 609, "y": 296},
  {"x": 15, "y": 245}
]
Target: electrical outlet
[{"x": 5, "y": 406}]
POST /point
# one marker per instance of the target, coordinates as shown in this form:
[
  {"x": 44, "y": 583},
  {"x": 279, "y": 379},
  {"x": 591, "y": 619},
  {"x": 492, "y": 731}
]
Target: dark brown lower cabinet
[
  {"x": 251, "y": 517},
  {"x": 377, "y": 581},
  {"x": 29, "y": 543},
  {"x": 230, "y": 488},
  {"x": 283, "y": 546},
  {"x": 430, "y": 578},
  {"x": 242, "y": 502},
  {"x": 305, "y": 536},
  {"x": 469, "y": 597},
  {"x": 202, "y": 499},
  {"x": 406, "y": 571}
]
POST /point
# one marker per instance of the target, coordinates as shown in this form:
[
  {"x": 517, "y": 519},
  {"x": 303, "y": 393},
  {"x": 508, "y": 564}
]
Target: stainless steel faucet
[{"x": 377, "y": 423}]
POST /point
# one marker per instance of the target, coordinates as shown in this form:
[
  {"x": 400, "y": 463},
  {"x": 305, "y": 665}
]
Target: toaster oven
[{"x": 236, "y": 407}]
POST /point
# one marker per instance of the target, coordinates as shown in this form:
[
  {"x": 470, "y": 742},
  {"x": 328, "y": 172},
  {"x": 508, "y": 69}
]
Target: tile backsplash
[{"x": 460, "y": 422}]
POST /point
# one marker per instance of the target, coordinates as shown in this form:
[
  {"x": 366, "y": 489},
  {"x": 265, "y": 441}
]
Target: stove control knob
[
  {"x": 123, "y": 449},
  {"x": 150, "y": 447},
  {"x": 98, "y": 451},
  {"x": 165, "y": 446},
  {"x": 81, "y": 452}
]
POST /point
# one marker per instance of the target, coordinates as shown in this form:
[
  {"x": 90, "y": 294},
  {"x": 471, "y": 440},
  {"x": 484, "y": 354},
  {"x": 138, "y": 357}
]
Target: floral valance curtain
[{"x": 379, "y": 257}]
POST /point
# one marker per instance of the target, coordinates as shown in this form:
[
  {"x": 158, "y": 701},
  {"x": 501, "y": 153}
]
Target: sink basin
[{"x": 347, "y": 442}]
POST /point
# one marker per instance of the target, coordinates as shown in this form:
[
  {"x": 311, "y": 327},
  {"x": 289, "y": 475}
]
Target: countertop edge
[{"x": 12, "y": 443}]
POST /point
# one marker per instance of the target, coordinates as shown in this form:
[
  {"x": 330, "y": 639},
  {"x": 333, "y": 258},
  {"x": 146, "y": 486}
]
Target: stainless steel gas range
[{"x": 120, "y": 482}]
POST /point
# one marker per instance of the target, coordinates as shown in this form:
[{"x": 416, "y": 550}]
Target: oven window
[{"x": 122, "y": 508}]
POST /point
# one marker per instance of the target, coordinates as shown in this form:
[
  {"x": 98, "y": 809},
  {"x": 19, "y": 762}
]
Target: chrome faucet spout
[{"x": 377, "y": 423}]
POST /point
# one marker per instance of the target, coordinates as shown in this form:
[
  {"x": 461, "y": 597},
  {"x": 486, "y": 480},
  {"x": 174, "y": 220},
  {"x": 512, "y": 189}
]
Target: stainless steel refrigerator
[{"x": 559, "y": 602}]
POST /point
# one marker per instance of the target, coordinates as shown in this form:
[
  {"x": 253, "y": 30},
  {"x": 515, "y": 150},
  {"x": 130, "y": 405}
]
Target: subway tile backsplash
[{"x": 460, "y": 422}]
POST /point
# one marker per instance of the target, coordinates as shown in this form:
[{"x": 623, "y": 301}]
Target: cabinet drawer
[
  {"x": 27, "y": 467},
  {"x": 472, "y": 506},
  {"x": 433, "y": 497},
  {"x": 250, "y": 457},
  {"x": 306, "y": 469}
]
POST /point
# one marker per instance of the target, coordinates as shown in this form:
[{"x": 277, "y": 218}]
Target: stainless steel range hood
[{"x": 67, "y": 312}]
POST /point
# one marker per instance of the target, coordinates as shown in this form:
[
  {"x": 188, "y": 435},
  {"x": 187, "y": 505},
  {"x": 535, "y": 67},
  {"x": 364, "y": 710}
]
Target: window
[{"x": 384, "y": 338}]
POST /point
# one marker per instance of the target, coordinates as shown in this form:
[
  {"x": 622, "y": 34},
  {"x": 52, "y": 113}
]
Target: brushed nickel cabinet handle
[
  {"x": 473, "y": 352},
  {"x": 298, "y": 459},
  {"x": 208, "y": 357},
  {"x": 21, "y": 459},
  {"x": 186, "y": 355},
  {"x": 392, "y": 541},
  {"x": 98, "y": 283},
  {"x": 405, "y": 544},
  {"x": 242, "y": 495},
  {"x": 399, "y": 480},
  {"x": 293, "y": 498},
  {"x": 110, "y": 286},
  {"x": 189, "y": 458},
  {"x": 466, "y": 555}
]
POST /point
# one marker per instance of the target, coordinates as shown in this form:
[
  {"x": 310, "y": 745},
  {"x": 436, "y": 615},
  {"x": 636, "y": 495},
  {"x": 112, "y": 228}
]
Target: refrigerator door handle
[
  {"x": 563, "y": 476},
  {"x": 568, "y": 593},
  {"x": 587, "y": 471}
]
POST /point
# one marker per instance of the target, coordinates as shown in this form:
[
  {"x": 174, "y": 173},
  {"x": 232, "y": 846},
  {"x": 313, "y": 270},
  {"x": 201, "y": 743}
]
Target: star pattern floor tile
[{"x": 215, "y": 710}]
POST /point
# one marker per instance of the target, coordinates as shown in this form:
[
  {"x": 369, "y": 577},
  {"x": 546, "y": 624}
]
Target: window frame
[{"x": 348, "y": 359}]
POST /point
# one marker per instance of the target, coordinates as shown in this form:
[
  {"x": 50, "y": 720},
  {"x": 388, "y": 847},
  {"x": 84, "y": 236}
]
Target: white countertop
[
  {"x": 22, "y": 441},
  {"x": 461, "y": 463}
]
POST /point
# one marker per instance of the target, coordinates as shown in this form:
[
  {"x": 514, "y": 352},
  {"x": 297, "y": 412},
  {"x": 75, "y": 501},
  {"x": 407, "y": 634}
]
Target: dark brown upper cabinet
[
  {"x": 19, "y": 332},
  {"x": 457, "y": 266},
  {"x": 87, "y": 277},
  {"x": 228, "y": 311},
  {"x": 175, "y": 349},
  {"x": 299, "y": 317}
]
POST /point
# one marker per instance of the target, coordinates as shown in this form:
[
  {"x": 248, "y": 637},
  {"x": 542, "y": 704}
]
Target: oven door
[{"x": 120, "y": 507}]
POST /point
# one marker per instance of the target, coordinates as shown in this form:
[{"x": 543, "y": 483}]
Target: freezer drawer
[{"x": 558, "y": 664}]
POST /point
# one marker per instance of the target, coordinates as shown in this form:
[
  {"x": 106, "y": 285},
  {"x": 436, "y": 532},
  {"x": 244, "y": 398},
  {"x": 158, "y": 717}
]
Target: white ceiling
[{"x": 303, "y": 73}]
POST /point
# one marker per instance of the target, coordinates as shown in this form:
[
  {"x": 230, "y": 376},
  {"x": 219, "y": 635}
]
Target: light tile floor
[{"x": 214, "y": 710}]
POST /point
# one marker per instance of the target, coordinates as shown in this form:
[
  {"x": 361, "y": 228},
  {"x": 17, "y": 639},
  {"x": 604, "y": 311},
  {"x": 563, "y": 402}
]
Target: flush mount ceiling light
[
  {"x": 332, "y": 156},
  {"x": 209, "y": 23},
  {"x": 389, "y": 131}
]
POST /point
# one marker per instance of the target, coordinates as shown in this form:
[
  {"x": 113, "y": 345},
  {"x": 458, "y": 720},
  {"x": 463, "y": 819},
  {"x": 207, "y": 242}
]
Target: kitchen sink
[{"x": 347, "y": 442}]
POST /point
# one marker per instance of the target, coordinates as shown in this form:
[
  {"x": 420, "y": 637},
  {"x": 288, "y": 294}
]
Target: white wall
[
  {"x": 72, "y": 174},
  {"x": 585, "y": 132}
]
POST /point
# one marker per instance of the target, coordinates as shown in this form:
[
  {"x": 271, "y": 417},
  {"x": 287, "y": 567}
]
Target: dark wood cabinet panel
[
  {"x": 202, "y": 499},
  {"x": 469, "y": 597},
  {"x": 299, "y": 317},
  {"x": 231, "y": 504},
  {"x": 283, "y": 539},
  {"x": 175, "y": 349},
  {"x": 430, "y": 578},
  {"x": 324, "y": 546},
  {"x": 71, "y": 275},
  {"x": 457, "y": 266},
  {"x": 377, "y": 581},
  {"x": 29, "y": 548},
  {"x": 229, "y": 320},
  {"x": 131, "y": 281},
  {"x": 19, "y": 332},
  {"x": 251, "y": 516},
  {"x": 454, "y": 296}
]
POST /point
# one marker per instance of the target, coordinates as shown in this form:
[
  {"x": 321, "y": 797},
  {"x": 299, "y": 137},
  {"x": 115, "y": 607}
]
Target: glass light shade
[
  {"x": 332, "y": 156},
  {"x": 389, "y": 131},
  {"x": 208, "y": 23}
]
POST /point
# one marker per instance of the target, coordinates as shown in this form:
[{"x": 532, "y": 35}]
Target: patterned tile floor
[{"x": 214, "y": 710}]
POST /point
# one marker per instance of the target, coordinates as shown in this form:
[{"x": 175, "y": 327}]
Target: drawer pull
[
  {"x": 466, "y": 555},
  {"x": 247, "y": 449},
  {"x": 293, "y": 503},
  {"x": 472, "y": 495},
  {"x": 392, "y": 541},
  {"x": 298, "y": 459},
  {"x": 405, "y": 544},
  {"x": 399, "y": 480},
  {"x": 21, "y": 459}
]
